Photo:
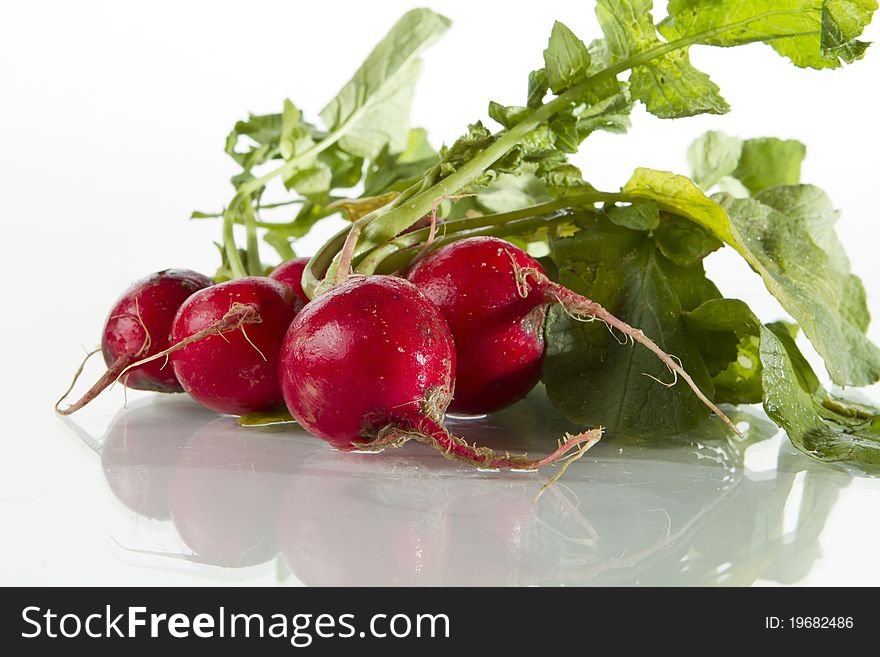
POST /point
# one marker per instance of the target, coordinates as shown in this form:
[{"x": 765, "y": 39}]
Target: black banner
[{"x": 318, "y": 621}]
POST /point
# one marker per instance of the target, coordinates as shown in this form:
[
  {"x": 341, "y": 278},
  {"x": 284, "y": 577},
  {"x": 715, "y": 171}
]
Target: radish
[
  {"x": 494, "y": 296},
  {"x": 136, "y": 328},
  {"x": 371, "y": 364},
  {"x": 225, "y": 344},
  {"x": 290, "y": 273},
  {"x": 498, "y": 332}
]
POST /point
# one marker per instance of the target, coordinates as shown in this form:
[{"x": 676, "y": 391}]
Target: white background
[{"x": 114, "y": 116}]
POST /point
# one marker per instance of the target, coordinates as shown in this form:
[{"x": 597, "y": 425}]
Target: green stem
[
  {"x": 407, "y": 214},
  {"x": 401, "y": 259},
  {"x": 260, "y": 206},
  {"x": 320, "y": 264},
  {"x": 312, "y": 152},
  {"x": 372, "y": 261},
  {"x": 281, "y": 204},
  {"x": 236, "y": 266},
  {"x": 255, "y": 267},
  {"x": 404, "y": 214}
]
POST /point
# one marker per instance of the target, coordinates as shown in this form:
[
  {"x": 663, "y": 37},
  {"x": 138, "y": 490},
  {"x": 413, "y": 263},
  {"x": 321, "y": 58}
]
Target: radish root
[
  {"x": 108, "y": 378},
  {"x": 431, "y": 432},
  {"x": 119, "y": 367},
  {"x": 583, "y": 309},
  {"x": 571, "y": 458},
  {"x": 238, "y": 315}
]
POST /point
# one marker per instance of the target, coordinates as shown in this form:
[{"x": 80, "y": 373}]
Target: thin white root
[
  {"x": 593, "y": 437},
  {"x": 581, "y": 308},
  {"x": 236, "y": 317}
]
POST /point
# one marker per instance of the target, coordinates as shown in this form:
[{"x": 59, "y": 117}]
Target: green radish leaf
[
  {"x": 346, "y": 170},
  {"x": 589, "y": 375},
  {"x": 507, "y": 116},
  {"x": 538, "y": 154},
  {"x": 196, "y": 214},
  {"x": 716, "y": 158},
  {"x": 769, "y": 162},
  {"x": 538, "y": 87},
  {"x": 811, "y": 33},
  {"x": 733, "y": 187},
  {"x": 795, "y": 252},
  {"x": 263, "y": 132},
  {"x": 281, "y": 243},
  {"x": 810, "y": 278},
  {"x": 312, "y": 182},
  {"x": 274, "y": 416},
  {"x": 600, "y": 56},
  {"x": 263, "y": 129},
  {"x": 724, "y": 315},
  {"x": 713, "y": 156},
  {"x": 511, "y": 192},
  {"x": 609, "y": 113},
  {"x": 820, "y": 425},
  {"x": 562, "y": 178},
  {"x": 396, "y": 171},
  {"x": 386, "y": 123},
  {"x": 372, "y": 109},
  {"x": 668, "y": 85},
  {"x": 680, "y": 196},
  {"x": 728, "y": 335},
  {"x": 466, "y": 147},
  {"x": 565, "y": 129},
  {"x": 566, "y": 59},
  {"x": 841, "y": 22},
  {"x": 418, "y": 148},
  {"x": 817, "y": 213},
  {"x": 682, "y": 242},
  {"x": 739, "y": 382},
  {"x": 672, "y": 88},
  {"x": 296, "y": 135},
  {"x": 638, "y": 216}
]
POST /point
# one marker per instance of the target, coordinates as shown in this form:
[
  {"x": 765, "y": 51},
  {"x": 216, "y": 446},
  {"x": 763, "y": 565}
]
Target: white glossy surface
[
  {"x": 116, "y": 120},
  {"x": 167, "y": 493}
]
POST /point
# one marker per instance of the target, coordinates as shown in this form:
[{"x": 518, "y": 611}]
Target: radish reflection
[{"x": 682, "y": 512}]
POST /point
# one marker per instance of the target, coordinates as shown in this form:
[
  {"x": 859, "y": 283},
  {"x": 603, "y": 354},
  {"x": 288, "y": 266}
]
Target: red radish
[
  {"x": 290, "y": 273},
  {"x": 225, "y": 344},
  {"x": 371, "y": 364},
  {"x": 137, "y": 327},
  {"x": 493, "y": 296},
  {"x": 499, "y": 336}
]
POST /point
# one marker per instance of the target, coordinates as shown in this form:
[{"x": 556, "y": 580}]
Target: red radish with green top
[
  {"x": 138, "y": 327},
  {"x": 225, "y": 344},
  {"x": 498, "y": 332},
  {"x": 494, "y": 295},
  {"x": 371, "y": 364}
]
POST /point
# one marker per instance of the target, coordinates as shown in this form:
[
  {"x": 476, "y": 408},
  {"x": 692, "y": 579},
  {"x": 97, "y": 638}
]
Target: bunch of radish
[
  {"x": 372, "y": 361},
  {"x": 390, "y": 325}
]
